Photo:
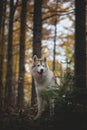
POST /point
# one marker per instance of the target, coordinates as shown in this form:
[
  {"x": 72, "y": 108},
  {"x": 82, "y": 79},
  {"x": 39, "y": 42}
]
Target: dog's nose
[{"x": 41, "y": 70}]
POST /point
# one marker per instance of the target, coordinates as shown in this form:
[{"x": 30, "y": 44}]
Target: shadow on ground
[{"x": 60, "y": 121}]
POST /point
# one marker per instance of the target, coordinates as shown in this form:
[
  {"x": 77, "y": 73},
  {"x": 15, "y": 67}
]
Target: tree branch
[
  {"x": 60, "y": 14},
  {"x": 15, "y": 6}
]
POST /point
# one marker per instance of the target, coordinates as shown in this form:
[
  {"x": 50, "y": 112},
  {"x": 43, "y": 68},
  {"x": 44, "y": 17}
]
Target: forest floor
[{"x": 63, "y": 120}]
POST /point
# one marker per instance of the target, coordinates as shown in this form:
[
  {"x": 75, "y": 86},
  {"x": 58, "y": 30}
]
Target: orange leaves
[{"x": 68, "y": 42}]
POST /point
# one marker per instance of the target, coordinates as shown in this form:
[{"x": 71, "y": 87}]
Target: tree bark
[
  {"x": 37, "y": 35},
  {"x": 80, "y": 43},
  {"x": 8, "y": 86},
  {"x": 37, "y": 28},
  {"x": 1, "y": 13},
  {"x": 54, "y": 48},
  {"x": 1, "y": 46},
  {"x": 22, "y": 56}
]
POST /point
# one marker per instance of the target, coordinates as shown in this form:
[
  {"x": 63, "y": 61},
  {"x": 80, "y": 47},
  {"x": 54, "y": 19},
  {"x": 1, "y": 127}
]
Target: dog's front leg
[{"x": 41, "y": 107}]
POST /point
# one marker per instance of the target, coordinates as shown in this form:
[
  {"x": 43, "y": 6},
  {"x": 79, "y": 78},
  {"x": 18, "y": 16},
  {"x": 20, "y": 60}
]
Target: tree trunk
[
  {"x": 54, "y": 48},
  {"x": 8, "y": 86},
  {"x": 37, "y": 28},
  {"x": 1, "y": 13},
  {"x": 80, "y": 43},
  {"x": 2, "y": 52},
  {"x": 37, "y": 34},
  {"x": 22, "y": 56},
  {"x": 1, "y": 46}
]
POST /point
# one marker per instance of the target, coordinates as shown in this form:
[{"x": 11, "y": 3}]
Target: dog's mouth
[{"x": 41, "y": 72}]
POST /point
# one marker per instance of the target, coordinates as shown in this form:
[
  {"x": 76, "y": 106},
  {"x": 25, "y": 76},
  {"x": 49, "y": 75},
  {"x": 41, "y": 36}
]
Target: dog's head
[{"x": 39, "y": 66}]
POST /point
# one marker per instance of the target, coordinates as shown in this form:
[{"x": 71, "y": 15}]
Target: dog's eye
[{"x": 38, "y": 65}]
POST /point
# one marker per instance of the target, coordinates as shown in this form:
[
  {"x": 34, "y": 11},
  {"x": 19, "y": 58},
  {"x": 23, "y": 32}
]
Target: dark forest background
[{"x": 30, "y": 28}]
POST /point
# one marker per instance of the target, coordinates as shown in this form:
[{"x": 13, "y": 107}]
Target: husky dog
[{"x": 43, "y": 78}]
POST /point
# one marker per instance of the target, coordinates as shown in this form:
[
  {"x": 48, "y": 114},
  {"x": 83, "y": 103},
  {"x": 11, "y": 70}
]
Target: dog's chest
[
  {"x": 42, "y": 83},
  {"x": 47, "y": 81}
]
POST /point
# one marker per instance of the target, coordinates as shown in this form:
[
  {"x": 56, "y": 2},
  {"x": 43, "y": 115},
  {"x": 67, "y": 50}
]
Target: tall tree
[
  {"x": 80, "y": 43},
  {"x": 54, "y": 48},
  {"x": 8, "y": 86},
  {"x": 37, "y": 28},
  {"x": 1, "y": 45},
  {"x": 37, "y": 35},
  {"x": 22, "y": 56},
  {"x": 1, "y": 13}
]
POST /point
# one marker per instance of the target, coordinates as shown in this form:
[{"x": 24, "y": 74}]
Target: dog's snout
[{"x": 41, "y": 70}]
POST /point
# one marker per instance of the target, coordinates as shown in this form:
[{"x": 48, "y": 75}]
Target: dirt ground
[{"x": 60, "y": 121}]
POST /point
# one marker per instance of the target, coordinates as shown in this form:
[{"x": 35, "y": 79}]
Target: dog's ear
[
  {"x": 34, "y": 58},
  {"x": 45, "y": 59}
]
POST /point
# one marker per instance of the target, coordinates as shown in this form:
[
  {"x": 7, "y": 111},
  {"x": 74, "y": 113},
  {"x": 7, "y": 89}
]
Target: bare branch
[
  {"x": 58, "y": 14},
  {"x": 15, "y": 6}
]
